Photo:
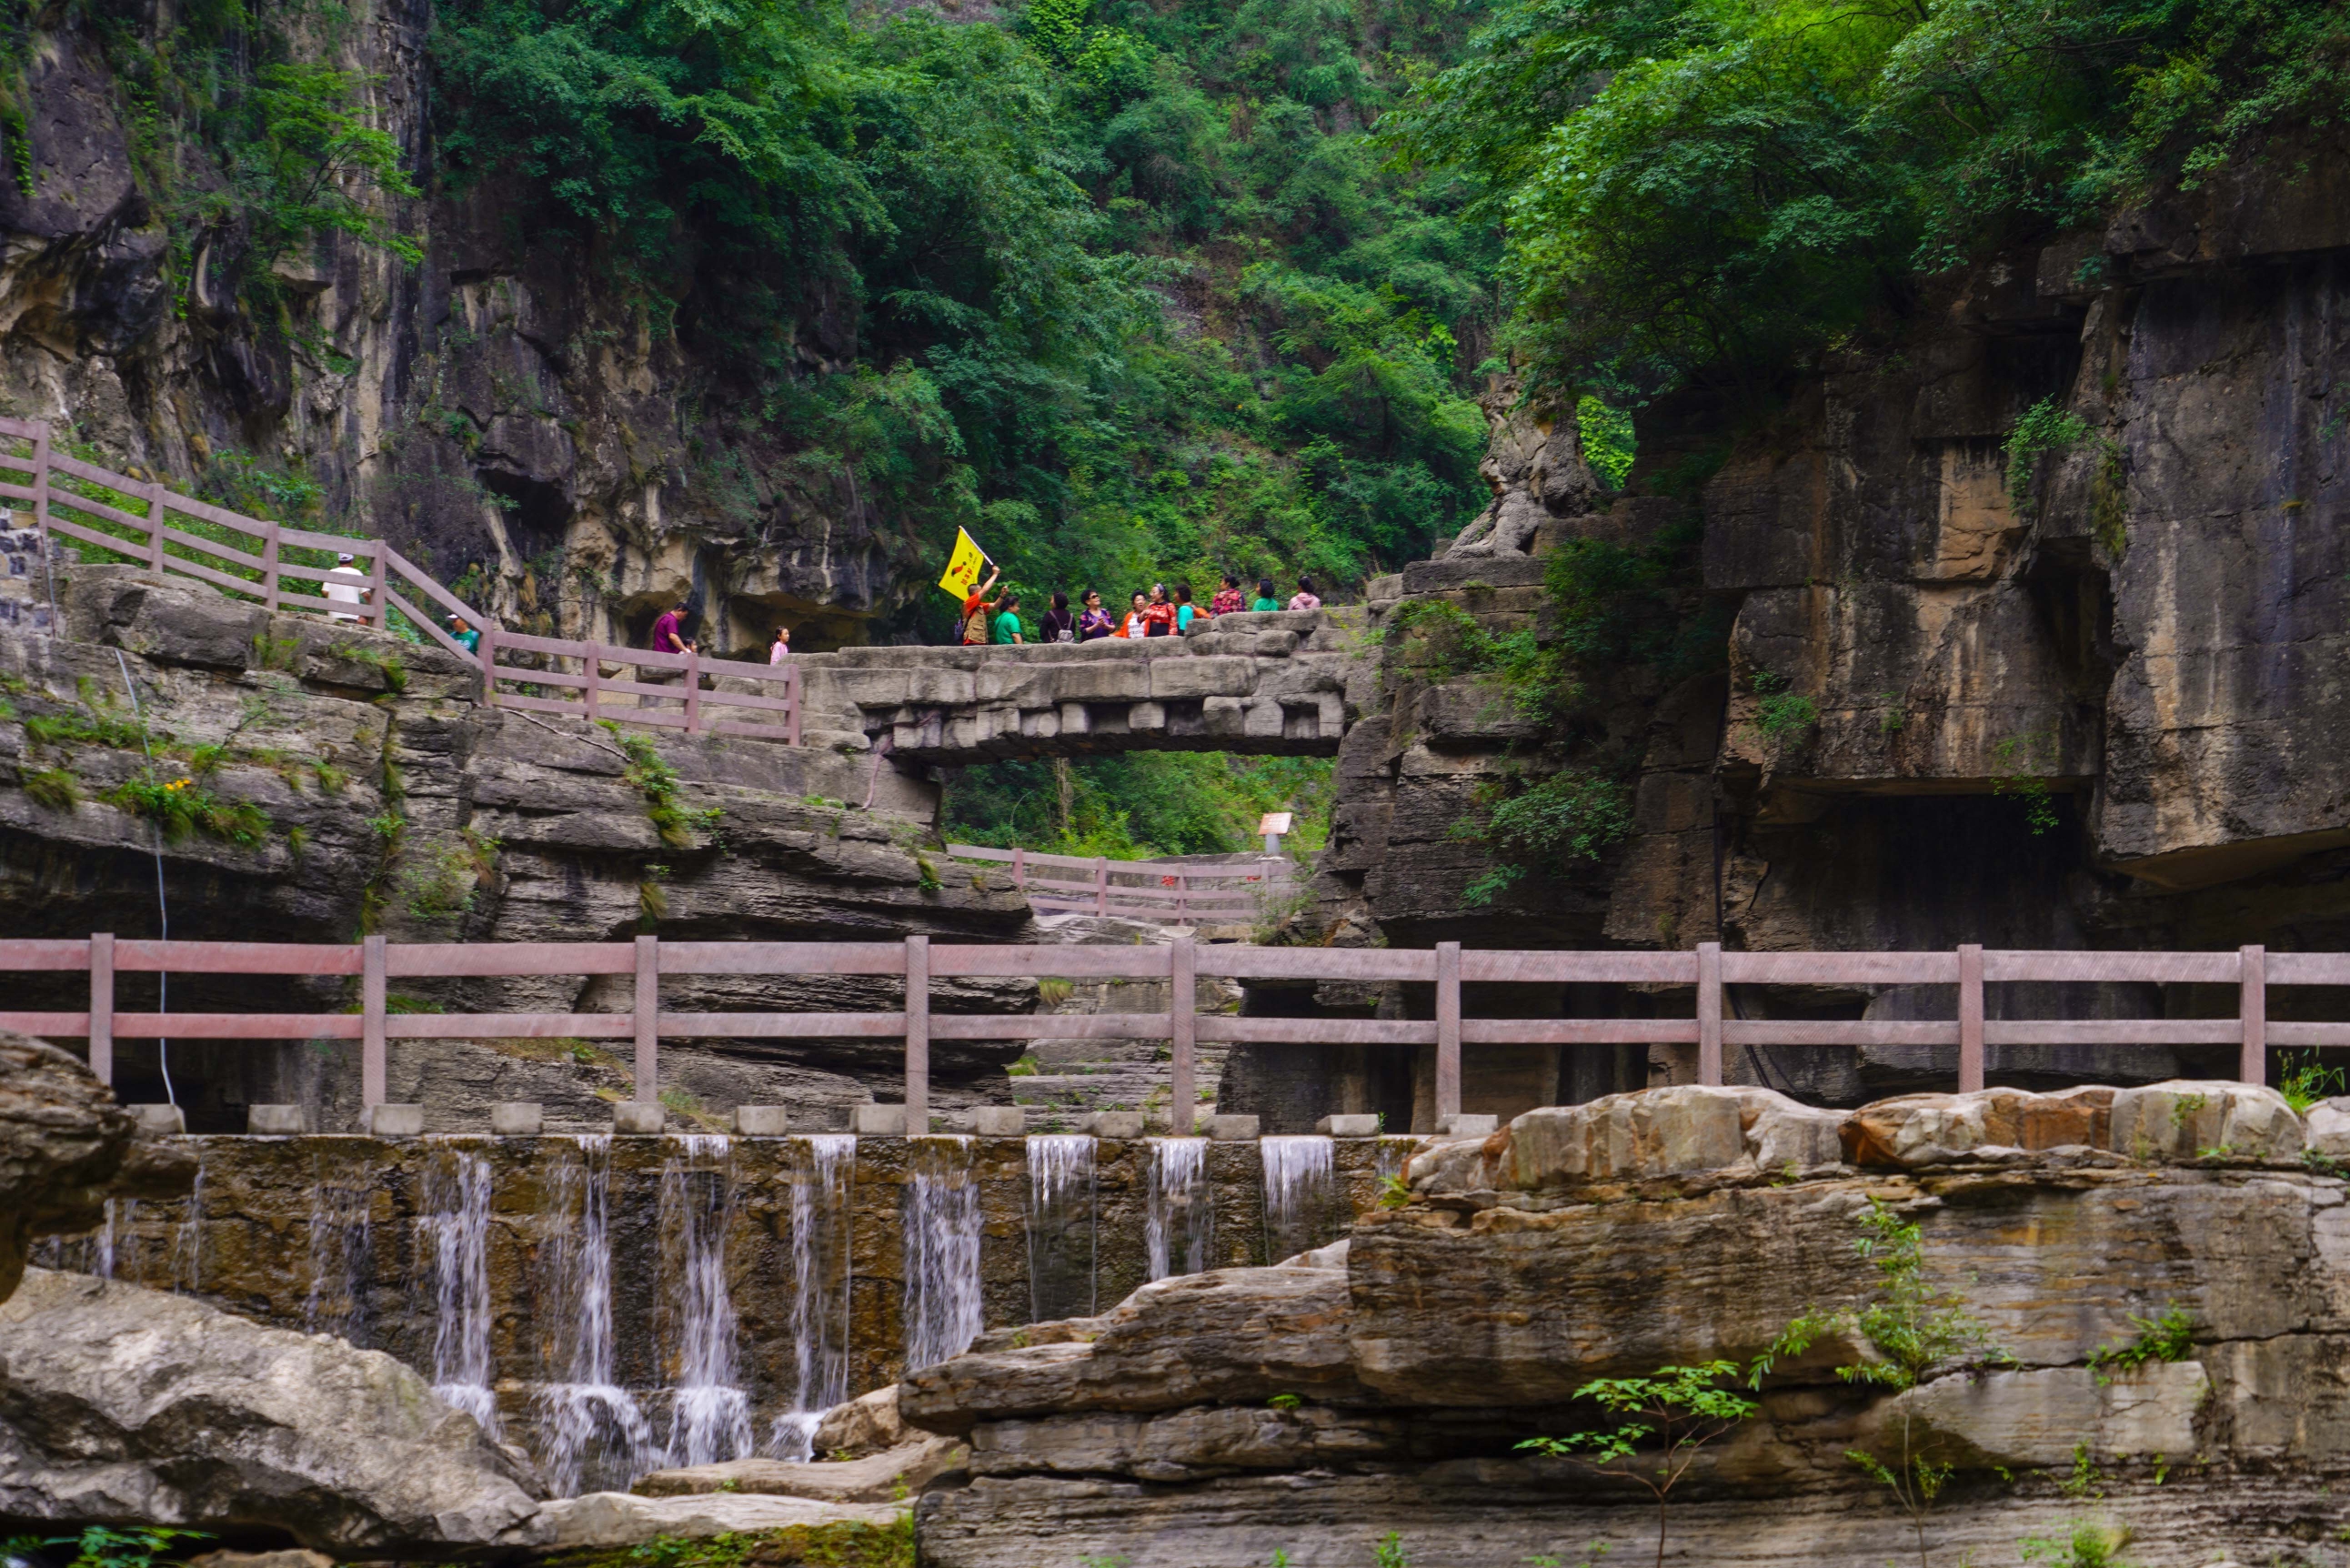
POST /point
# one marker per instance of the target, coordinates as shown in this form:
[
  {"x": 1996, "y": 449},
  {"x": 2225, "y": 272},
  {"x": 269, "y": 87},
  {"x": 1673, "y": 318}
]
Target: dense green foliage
[
  {"x": 1148, "y": 802},
  {"x": 1131, "y": 293},
  {"x": 1720, "y": 187}
]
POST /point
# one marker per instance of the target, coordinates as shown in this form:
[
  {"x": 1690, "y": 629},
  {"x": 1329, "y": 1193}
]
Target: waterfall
[
  {"x": 942, "y": 1228},
  {"x": 108, "y": 1234},
  {"x": 342, "y": 1228},
  {"x": 710, "y": 1413},
  {"x": 454, "y": 1232},
  {"x": 1179, "y": 1221},
  {"x": 591, "y": 1428},
  {"x": 1299, "y": 1183},
  {"x": 188, "y": 1240},
  {"x": 820, "y": 1257},
  {"x": 1061, "y": 1246}
]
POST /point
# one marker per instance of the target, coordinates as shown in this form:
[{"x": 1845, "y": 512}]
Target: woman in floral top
[{"x": 1229, "y": 598}]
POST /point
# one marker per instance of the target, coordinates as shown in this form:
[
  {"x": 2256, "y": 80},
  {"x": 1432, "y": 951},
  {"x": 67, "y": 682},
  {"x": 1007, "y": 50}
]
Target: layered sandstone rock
[{"x": 1472, "y": 1316}]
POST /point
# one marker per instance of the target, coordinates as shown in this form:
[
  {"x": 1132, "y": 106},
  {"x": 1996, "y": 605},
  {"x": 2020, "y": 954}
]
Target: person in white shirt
[{"x": 346, "y": 584}]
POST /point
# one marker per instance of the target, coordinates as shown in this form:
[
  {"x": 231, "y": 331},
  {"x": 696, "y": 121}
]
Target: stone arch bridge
[{"x": 1277, "y": 684}]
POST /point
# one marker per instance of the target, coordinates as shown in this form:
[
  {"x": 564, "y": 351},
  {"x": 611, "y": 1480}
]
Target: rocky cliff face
[
  {"x": 1314, "y": 1408},
  {"x": 384, "y": 796},
  {"x": 2078, "y": 691},
  {"x": 499, "y": 404}
]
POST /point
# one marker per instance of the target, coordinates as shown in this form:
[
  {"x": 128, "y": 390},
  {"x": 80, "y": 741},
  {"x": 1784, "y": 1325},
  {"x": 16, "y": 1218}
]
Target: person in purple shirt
[{"x": 669, "y": 633}]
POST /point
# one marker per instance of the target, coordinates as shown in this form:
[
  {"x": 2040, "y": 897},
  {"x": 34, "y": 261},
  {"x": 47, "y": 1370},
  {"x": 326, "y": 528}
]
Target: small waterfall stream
[
  {"x": 820, "y": 1281},
  {"x": 1300, "y": 1187},
  {"x": 709, "y": 1412},
  {"x": 453, "y": 1233},
  {"x": 1061, "y": 1225},
  {"x": 943, "y": 1312},
  {"x": 341, "y": 1233},
  {"x": 1180, "y": 1220},
  {"x": 592, "y": 1433},
  {"x": 188, "y": 1239}
]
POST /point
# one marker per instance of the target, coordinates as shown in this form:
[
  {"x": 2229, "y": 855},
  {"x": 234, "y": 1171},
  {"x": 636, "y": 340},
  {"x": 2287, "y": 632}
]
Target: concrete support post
[
  {"x": 917, "y": 1037},
  {"x": 2252, "y": 1065},
  {"x": 1182, "y": 1029},
  {"x": 1708, "y": 1014},
  {"x": 1448, "y": 1031},
  {"x": 648, "y": 1006},
  {"x": 373, "y": 968},
  {"x": 101, "y": 1007},
  {"x": 1971, "y": 1017}
]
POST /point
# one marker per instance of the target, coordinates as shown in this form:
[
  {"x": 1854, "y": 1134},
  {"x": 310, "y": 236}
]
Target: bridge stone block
[
  {"x": 1223, "y": 716},
  {"x": 942, "y": 686},
  {"x": 1146, "y": 717},
  {"x": 865, "y": 688},
  {"x": 1202, "y": 677},
  {"x": 1127, "y": 680},
  {"x": 1041, "y": 723},
  {"x": 1075, "y": 718},
  {"x": 1262, "y": 720}
]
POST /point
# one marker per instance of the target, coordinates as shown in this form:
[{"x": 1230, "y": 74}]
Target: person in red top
[
  {"x": 669, "y": 633},
  {"x": 1228, "y": 600},
  {"x": 1159, "y": 617},
  {"x": 977, "y": 610}
]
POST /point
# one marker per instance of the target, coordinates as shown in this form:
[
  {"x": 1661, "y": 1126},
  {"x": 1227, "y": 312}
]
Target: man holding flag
[{"x": 961, "y": 580}]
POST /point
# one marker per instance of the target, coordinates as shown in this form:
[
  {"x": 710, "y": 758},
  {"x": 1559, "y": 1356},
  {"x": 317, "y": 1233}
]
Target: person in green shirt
[
  {"x": 1265, "y": 600},
  {"x": 464, "y": 634},
  {"x": 1007, "y": 619}
]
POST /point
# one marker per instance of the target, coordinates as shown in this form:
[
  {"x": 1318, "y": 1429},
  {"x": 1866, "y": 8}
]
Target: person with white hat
[{"x": 346, "y": 584}]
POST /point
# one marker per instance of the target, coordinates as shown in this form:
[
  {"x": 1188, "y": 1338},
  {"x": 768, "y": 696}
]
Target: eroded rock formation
[{"x": 1464, "y": 1322}]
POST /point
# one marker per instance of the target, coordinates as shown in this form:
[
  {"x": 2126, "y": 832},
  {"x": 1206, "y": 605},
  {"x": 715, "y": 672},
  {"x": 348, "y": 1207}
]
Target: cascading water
[
  {"x": 110, "y": 1234},
  {"x": 941, "y": 1227},
  {"x": 342, "y": 1228},
  {"x": 710, "y": 1413},
  {"x": 1299, "y": 1183},
  {"x": 820, "y": 1279},
  {"x": 591, "y": 1431},
  {"x": 454, "y": 1236},
  {"x": 1178, "y": 1223},
  {"x": 1061, "y": 1244}
]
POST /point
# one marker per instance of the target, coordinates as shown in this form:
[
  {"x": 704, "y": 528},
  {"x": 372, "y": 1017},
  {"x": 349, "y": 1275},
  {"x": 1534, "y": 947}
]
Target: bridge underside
[{"x": 1266, "y": 685}]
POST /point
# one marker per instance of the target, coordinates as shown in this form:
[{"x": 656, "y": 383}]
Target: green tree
[{"x": 1662, "y": 1422}]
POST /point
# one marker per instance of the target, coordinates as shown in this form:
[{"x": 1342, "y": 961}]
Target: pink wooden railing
[
  {"x": 393, "y": 582},
  {"x": 1140, "y": 889},
  {"x": 1709, "y": 969}
]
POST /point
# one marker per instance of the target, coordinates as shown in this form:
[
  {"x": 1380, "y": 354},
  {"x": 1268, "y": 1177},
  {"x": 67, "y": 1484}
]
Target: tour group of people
[{"x": 1159, "y": 610}]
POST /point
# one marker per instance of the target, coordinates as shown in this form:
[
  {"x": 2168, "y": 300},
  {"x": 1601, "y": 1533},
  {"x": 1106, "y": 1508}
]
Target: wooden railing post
[
  {"x": 1971, "y": 1017},
  {"x": 488, "y": 654},
  {"x": 41, "y": 493},
  {"x": 692, "y": 690},
  {"x": 792, "y": 695},
  {"x": 1019, "y": 867},
  {"x": 1182, "y": 1028},
  {"x": 1708, "y": 1014},
  {"x": 1448, "y": 1031},
  {"x": 155, "y": 521},
  {"x": 917, "y": 1037},
  {"x": 379, "y": 595},
  {"x": 2253, "y": 1064},
  {"x": 592, "y": 671},
  {"x": 1101, "y": 884},
  {"x": 101, "y": 1007},
  {"x": 269, "y": 566},
  {"x": 648, "y": 1006},
  {"x": 1183, "y": 899},
  {"x": 373, "y": 968}
]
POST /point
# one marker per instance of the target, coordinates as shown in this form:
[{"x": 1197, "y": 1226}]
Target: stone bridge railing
[{"x": 1277, "y": 684}]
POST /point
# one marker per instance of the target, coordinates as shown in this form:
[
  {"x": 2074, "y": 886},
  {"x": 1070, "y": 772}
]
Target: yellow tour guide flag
[{"x": 964, "y": 566}]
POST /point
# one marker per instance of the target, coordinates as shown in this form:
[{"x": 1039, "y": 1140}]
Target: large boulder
[
  {"x": 1227, "y": 1336},
  {"x": 65, "y": 1147},
  {"x": 782, "y": 1529},
  {"x": 2176, "y": 1122},
  {"x": 1683, "y": 1131},
  {"x": 123, "y": 1403}
]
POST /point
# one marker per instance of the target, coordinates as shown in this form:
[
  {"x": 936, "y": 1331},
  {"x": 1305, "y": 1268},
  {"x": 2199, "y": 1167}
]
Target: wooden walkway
[
  {"x": 1168, "y": 893},
  {"x": 917, "y": 960}
]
